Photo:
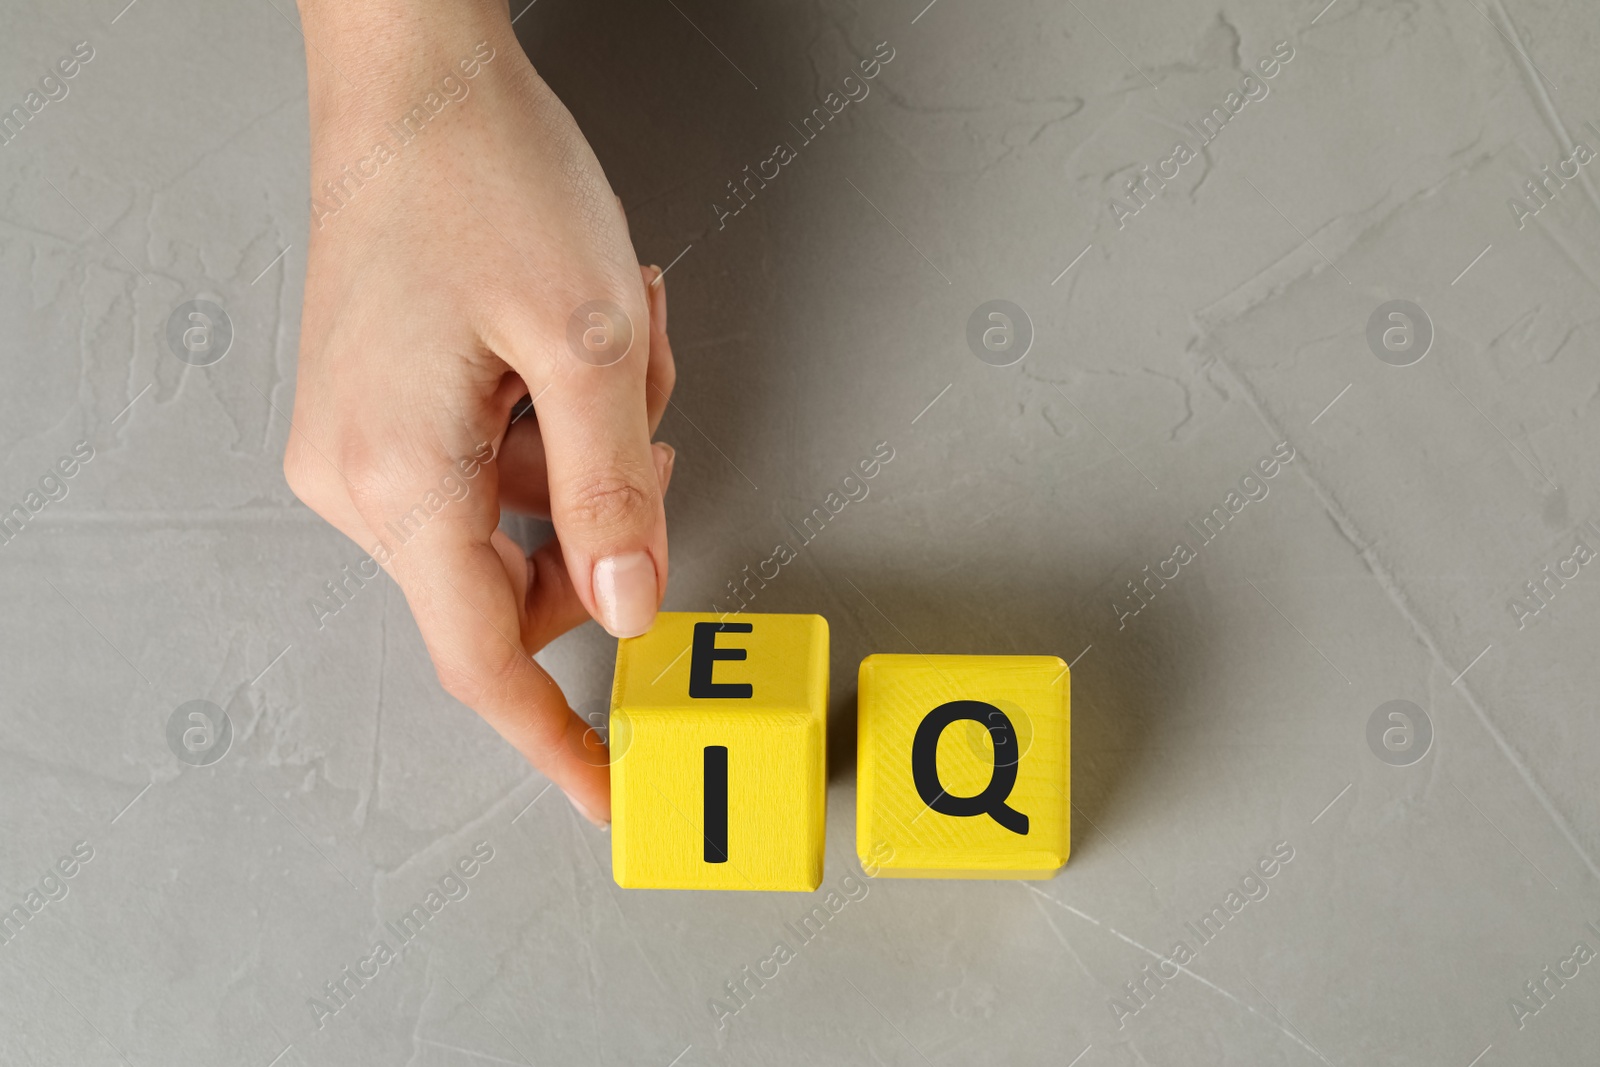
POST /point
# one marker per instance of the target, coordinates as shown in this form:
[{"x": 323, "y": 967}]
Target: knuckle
[
  {"x": 543, "y": 736},
  {"x": 325, "y": 474},
  {"x": 373, "y": 477},
  {"x": 360, "y": 468},
  {"x": 368, "y": 490},
  {"x": 614, "y": 501},
  {"x": 477, "y": 680}
]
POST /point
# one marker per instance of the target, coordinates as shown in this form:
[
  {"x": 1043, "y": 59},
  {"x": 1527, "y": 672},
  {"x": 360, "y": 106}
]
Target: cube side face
[
  {"x": 776, "y": 802},
  {"x": 992, "y": 736},
  {"x": 672, "y": 749}
]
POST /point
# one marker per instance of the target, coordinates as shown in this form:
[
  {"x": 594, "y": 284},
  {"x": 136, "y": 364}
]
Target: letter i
[{"x": 716, "y": 804}]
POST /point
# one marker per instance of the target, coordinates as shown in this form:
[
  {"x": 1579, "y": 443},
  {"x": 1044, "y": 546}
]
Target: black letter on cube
[
  {"x": 1007, "y": 753},
  {"x": 716, "y": 811},
  {"x": 704, "y": 659}
]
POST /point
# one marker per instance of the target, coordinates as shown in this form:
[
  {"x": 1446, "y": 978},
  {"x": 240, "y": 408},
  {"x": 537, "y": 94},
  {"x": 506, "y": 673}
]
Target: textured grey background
[{"x": 1229, "y": 715}]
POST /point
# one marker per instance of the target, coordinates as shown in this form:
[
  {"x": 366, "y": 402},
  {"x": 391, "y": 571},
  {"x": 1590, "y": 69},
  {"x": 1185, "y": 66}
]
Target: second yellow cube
[{"x": 963, "y": 766}]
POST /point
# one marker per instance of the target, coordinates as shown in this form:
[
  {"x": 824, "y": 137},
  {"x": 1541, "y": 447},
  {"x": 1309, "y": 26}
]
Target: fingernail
[
  {"x": 625, "y": 593},
  {"x": 587, "y": 814},
  {"x": 666, "y": 455},
  {"x": 658, "y": 305}
]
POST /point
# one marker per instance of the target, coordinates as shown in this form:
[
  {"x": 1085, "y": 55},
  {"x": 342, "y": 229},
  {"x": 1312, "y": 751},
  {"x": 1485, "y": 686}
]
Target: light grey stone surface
[{"x": 1171, "y": 353}]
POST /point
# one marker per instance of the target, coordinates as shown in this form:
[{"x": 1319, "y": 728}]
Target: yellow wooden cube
[
  {"x": 719, "y": 753},
  {"x": 962, "y": 766}
]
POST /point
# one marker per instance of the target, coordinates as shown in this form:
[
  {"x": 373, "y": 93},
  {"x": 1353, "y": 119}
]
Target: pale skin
[{"x": 437, "y": 296}]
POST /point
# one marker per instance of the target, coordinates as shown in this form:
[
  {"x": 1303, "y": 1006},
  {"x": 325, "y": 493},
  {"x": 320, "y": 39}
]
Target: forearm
[{"x": 365, "y": 57}]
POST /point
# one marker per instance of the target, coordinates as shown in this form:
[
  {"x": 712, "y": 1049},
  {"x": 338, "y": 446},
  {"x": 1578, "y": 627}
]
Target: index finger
[{"x": 468, "y": 602}]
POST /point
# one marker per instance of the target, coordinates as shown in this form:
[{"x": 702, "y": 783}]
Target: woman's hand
[{"x": 459, "y": 224}]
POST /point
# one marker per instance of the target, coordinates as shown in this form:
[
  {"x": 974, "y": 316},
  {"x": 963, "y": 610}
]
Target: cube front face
[
  {"x": 719, "y": 753},
  {"x": 963, "y": 766}
]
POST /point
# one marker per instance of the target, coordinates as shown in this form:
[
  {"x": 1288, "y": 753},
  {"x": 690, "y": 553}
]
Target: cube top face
[
  {"x": 784, "y": 655},
  {"x": 963, "y": 766},
  {"x": 719, "y": 750}
]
